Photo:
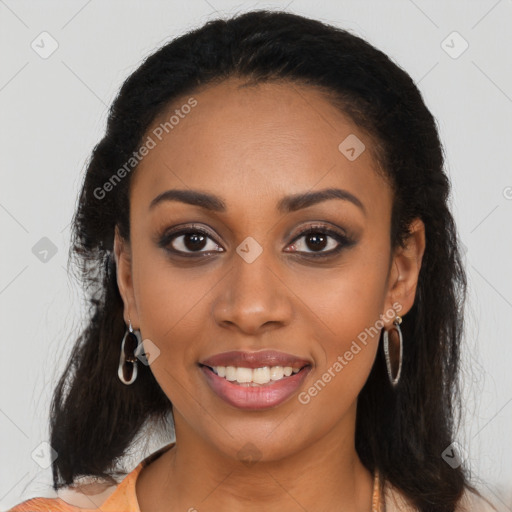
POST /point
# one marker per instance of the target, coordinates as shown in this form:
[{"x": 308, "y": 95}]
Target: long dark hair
[{"x": 401, "y": 432}]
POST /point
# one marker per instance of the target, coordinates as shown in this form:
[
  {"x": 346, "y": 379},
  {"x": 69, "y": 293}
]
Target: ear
[
  {"x": 405, "y": 271},
  {"x": 123, "y": 258}
]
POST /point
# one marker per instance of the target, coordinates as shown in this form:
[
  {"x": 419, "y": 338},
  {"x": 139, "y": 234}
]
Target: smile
[{"x": 254, "y": 388}]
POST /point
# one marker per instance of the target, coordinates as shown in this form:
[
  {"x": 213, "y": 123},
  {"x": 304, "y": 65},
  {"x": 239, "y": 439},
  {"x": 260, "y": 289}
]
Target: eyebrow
[{"x": 287, "y": 204}]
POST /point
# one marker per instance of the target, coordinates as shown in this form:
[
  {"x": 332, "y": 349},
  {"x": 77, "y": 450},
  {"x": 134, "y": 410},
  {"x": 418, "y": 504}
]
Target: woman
[{"x": 271, "y": 263}]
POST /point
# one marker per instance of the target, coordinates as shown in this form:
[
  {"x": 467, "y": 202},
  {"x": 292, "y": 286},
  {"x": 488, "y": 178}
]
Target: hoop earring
[
  {"x": 396, "y": 325},
  {"x": 127, "y": 370}
]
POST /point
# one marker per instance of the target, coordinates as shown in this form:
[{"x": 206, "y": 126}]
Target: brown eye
[
  {"x": 316, "y": 241},
  {"x": 194, "y": 241},
  {"x": 189, "y": 241},
  {"x": 320, "y": 241}
]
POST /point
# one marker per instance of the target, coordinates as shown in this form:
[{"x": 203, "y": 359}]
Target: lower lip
[{"x": 255, "y": 397}]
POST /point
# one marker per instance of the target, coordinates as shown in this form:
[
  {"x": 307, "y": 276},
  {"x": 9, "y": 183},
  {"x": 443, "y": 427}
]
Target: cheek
[
  {"x": 173, "y": 309},
  {"x": 347, "y": 299},
  {"x": 172, "y": 312},
  {"x": 349, "y": 349},
  {"x": 166, "y": 293},
  {"x": 350, "y": 304}
]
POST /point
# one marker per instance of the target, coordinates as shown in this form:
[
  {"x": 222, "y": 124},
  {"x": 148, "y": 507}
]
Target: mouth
[
  {"x": 255, "y": 377},
  {"x": 254, "y": 388}
]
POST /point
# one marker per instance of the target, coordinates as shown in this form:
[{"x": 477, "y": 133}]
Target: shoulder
[
  {"x": 43, "y": 505},
  {"x": 82, "y": 498},
  {"x": 87, "y": 494},
  {"x": 91, "y": 495}
]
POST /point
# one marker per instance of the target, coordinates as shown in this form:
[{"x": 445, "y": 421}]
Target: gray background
[{"x": 53, "y": 111}]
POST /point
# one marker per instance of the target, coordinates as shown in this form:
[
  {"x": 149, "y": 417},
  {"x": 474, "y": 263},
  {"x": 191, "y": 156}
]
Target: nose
[{"x": 253, "y": 297}]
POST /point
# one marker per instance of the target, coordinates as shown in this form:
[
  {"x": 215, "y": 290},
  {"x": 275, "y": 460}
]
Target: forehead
[{"x": 254, "y": 144}]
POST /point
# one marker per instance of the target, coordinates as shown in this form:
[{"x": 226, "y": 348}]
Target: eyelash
[{"x": 343, "y": 240}]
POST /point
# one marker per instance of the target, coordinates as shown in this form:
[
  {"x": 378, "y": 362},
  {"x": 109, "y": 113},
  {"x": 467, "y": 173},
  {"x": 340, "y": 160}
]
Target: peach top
[{"x": 119, "y": 498}]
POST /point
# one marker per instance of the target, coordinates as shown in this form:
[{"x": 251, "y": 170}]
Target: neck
[{"x": 325, "y": 475}]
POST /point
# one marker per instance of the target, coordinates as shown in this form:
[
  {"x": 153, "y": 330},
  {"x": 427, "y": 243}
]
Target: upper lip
[{"x": 255, "y": 359}]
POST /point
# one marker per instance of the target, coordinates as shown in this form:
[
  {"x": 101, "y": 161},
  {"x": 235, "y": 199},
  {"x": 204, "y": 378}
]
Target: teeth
[
  {"x": 230, "y": 373},
  {"x": 243, "y": 374},
  {"x": 260, "y": 375},
  {"x": 254, "y": 376},
  {"x": 276, "y": 372}
]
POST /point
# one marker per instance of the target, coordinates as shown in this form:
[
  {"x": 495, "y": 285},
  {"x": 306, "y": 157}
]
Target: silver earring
[
  {"x": 396, "y": 325},
  {"x": 127, "y": 370}
]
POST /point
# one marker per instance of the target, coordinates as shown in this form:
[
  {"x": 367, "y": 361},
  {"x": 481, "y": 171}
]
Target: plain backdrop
[{"x": 53, "y": 111}]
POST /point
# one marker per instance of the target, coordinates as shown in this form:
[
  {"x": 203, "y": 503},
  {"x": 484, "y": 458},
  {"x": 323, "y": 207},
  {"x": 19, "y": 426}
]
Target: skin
[{"x": 266, "y": 142}]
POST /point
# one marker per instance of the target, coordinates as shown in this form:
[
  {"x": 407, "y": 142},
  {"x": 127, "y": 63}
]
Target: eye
[
  {"x": 189, "y": 241},
  {"x": 321, "y": 242}
]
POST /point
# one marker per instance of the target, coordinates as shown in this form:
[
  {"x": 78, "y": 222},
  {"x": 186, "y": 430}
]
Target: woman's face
[{"x": 253, "y": 283}]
